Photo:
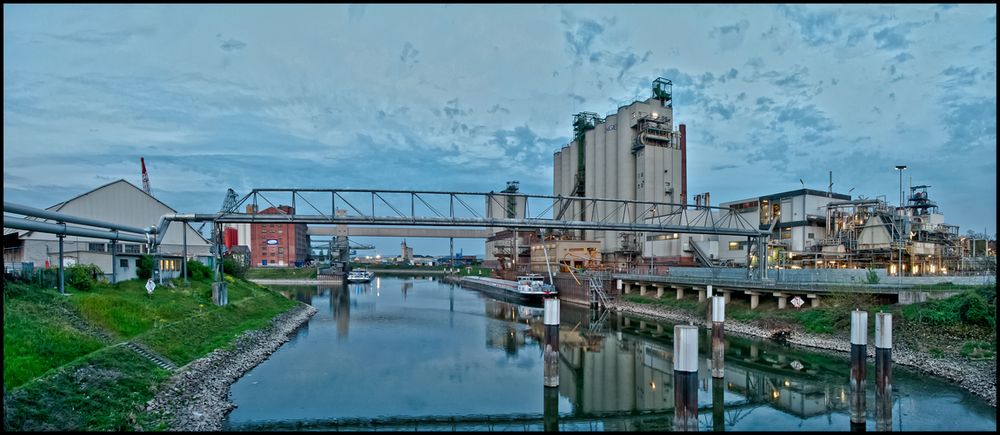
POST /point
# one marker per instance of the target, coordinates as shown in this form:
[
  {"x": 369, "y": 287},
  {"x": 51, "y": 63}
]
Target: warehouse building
[{"x": 118, "y": 202}]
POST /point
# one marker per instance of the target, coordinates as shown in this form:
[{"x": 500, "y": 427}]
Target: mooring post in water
[
  {"x": 859, "y": 353},
  {"x": 883, "y": 372},
  {"x": 551, "y": 342},
  {"x": 718, "y": 339},
  {"x": 685, "y": 378},
  {"x": 708, "y": 314},
  {"x": 551, "y": 404},
  {"x": 718, "y": 405}
]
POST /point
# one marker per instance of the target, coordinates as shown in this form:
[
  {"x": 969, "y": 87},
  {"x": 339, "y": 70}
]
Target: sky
[{"x": 468, "y": 97}]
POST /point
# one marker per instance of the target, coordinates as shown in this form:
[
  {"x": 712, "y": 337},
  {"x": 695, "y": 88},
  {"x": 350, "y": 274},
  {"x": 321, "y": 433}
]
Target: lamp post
[{"x": 899, "y": 271}]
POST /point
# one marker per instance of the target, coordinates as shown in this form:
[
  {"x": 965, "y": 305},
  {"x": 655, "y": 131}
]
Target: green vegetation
[
  {"x": 961, "y": 325},
  {"x": 198, "y": 270},
  {"x": 64, "y": 369},
  {"x": 144, "y": 267},
  {"x": 280, "y": 272},
  {"x": 237, "y": 269},
  {"x": 38, "y": 333},
  {"x": 872, "y": 277},
  {"x": 103, "y": 392},
  {"x": 82, "y": 277}
]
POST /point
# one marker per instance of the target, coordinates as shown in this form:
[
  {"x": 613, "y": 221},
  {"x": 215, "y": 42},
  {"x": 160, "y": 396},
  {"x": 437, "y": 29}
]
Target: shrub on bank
[
  {"x": 83, "y": 277},
  {"x": 144, "y": 267},
  {"x": 198, "y": 270}
]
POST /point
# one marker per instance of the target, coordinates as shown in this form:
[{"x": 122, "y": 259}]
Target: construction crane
[
  {"x": 145, "y": 177},
  {"x": 227, "y": 204}
]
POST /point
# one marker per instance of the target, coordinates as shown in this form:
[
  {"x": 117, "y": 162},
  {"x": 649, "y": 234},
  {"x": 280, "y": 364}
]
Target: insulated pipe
[
  {"x": 62, "y": 280},
  {"x": 63, "y": 229},
  {"x": 51, "y": 215},
  {"x": 684, "y": 166}
]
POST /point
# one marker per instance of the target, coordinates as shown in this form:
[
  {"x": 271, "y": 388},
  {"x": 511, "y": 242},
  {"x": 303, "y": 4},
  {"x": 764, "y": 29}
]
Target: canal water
[{"x": 415, "y": 353}]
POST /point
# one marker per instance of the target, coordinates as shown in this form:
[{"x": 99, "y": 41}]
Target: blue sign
[{"x": 272, "y": 241}]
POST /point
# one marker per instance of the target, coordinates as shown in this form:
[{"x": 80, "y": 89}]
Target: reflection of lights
[
  {"x": 652, "y": 384},
  {"x": 843, "y": 398},
  {"x": 378, "y": 283}
]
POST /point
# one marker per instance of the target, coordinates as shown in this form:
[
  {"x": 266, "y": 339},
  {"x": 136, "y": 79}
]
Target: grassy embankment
[
  {"x": 64, "y": 368},
  {"x": 281, "y": 273},
  {"x": 963, "y": 325}
]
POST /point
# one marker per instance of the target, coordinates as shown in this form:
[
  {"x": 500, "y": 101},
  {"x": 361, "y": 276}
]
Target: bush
[
  {"x": 83, "y": 277},
  {"x": 197, "y": 270},
  {"x": 144, "y": 267},
  {"x": 234, "y": 268},
  {"x": 872, "y": 277}
]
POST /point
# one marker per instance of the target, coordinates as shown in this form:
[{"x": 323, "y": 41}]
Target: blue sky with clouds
[{"x": 467, "y": 97}]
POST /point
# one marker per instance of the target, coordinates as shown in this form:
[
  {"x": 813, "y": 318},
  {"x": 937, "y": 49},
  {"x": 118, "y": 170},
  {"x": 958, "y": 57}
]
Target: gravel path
[
  {"x": 977, "y": 377},
  {"x": 197, "y": 397}
]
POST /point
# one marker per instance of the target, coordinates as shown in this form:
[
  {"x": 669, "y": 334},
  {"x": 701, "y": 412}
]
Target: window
[
  {"x": 131, "y": 249},
  {"x": 811, "y": 236},
  {"x": 123, "y": 263},
  {"x": 95, "y": 247},
  {"x": 737, "y": 246}
]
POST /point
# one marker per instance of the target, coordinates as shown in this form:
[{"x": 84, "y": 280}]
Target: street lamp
[
  {"x": 900, "y": 168},
  {"x": 899, "y": 271}
]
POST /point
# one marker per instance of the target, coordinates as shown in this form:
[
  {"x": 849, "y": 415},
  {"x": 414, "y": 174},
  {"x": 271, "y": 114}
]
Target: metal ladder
[{"x": 597, "y": 293}]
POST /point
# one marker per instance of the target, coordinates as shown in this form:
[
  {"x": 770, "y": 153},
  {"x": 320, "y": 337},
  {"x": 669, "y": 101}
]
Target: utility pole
[{"x": 899, "y": 272}]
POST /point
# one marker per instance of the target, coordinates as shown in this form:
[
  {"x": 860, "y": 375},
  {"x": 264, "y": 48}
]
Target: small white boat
[
  {"x": 360, "y": 275},
  {"x": 534, "y": 284}
]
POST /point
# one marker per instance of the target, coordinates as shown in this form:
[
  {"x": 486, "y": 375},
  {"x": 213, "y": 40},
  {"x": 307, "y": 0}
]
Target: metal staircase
[{"x": 597, "y": 294}]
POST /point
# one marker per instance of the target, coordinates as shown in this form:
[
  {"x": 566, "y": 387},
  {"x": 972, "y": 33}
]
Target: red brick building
[{"x": 278, "y": 244}]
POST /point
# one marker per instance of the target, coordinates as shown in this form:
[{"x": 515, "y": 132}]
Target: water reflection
[{"x": 439, "y": 357}]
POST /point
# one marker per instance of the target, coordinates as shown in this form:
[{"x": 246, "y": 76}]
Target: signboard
[
  {"x": 272, "y": 241},
  {"x": 797, "y": 301}
]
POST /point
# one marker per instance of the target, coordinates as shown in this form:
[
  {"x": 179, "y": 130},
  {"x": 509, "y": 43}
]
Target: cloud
[
  {"x": 971, "y": 124},
  {"x": 895, "y": 37},
  {"x": 730, "y": 37},
  {"x": 580, "y": 35},
  {"x": 94, "y": 37},
  {"x": 409, "y": 54},
  {"x": 819, "y": 28},
  {"x": 233, "y": 44}
]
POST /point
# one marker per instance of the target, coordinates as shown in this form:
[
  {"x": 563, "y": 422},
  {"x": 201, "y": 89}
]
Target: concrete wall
[{"x": 828, "y": 275}]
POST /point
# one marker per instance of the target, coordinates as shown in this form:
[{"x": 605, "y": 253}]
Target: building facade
[
  {"x": 274, "y": 244},
  {"x": 118, "y": 202},
  {"x": 633, "y": 153}
]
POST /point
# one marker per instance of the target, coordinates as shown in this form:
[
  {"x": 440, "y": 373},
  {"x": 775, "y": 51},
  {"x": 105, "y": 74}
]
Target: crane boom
[{"x": 145, "y": 176}]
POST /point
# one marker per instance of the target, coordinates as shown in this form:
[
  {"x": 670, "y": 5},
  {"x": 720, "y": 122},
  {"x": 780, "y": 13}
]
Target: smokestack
[
  {"x": 707, "y": 202},
  {"x": 684, "y": 165}
]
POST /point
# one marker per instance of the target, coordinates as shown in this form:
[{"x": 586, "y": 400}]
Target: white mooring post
[
  {"x": 859, "y": 353},
  {"x": 551, "y": 342},
  {"x": 718, "y": 336},
  {"x": 883, "y": 372},
  {"x": 685, "y": 378}
]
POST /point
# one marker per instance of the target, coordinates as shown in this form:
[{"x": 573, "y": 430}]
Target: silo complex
[{"x": 632, "y": 154}]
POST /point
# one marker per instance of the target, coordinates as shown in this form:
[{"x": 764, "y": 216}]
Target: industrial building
[
  {"x": 633, "y": 153},
  {"x": 278, "y": 244},
  {"x": 815, "y": 229},
  {"x": 117, "y": 202}
]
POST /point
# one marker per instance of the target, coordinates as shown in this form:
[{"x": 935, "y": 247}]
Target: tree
[{"x": 144, "y": 267}]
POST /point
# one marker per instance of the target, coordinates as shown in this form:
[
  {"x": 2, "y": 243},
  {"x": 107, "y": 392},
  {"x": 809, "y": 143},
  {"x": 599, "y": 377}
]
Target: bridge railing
[{"x": 491, "y": 209}]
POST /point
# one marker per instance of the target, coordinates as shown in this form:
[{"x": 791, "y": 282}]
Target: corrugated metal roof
[{"x": 59, "y": 207}]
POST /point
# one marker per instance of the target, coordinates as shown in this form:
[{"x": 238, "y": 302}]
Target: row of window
[{"x": 127, "y": 248}]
